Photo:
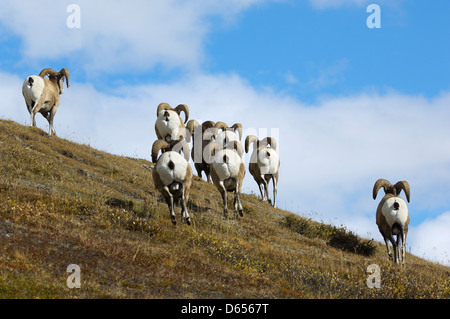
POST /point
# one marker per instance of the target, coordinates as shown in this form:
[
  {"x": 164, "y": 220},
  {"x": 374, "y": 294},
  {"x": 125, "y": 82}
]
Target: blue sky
[
  {"x": 308, "y": 53},
  {"x": 349, "y": 104}
]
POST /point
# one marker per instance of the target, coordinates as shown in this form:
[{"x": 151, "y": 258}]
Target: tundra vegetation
[{"x": 64, "y": 203}]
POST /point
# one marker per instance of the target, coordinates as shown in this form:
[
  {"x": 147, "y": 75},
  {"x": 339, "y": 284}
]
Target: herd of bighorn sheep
[{"x": 217, "y": 151}]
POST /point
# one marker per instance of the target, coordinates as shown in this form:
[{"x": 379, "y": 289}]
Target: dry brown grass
[{"x": 64, "y": 203}]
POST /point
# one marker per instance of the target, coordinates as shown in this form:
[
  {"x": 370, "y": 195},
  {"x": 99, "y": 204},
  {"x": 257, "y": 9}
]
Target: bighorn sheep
[
  {"x": 169, "y": 126},
  {"x": 392, "y": 216},
  {"x": 172, "y": 174},
  {"x": 199, "y": 132},
  {"x": 227, "y": 172},
  {"x": 264, "y": 164},
  {"x": 42, "y": 95}
]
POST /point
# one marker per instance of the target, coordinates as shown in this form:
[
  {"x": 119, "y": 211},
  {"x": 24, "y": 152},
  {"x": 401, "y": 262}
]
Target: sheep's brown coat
[
  {"x": 178, "y": 189},
  {"x": 45, "y": 100},
  {"x": 398, "y": 229},
  {"x": 163, "y": 130},
  {"x": 255, "y": 170}
]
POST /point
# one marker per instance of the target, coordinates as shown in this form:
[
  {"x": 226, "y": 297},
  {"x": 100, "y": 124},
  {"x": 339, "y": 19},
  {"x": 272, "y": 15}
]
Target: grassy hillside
[{"x": 62, "y": 203}]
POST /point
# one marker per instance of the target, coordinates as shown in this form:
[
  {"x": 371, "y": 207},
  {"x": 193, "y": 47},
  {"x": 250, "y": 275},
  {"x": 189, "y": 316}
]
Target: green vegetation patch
[{"x": 338, "y": 237}]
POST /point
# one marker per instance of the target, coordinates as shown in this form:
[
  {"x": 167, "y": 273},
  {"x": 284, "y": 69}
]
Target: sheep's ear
[{"x": 405, "y": 186}]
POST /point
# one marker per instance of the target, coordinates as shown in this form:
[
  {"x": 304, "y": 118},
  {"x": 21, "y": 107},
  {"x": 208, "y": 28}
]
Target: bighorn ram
[
  {"x": 264, "y": 165},
  {"x": 392, "y": 216},
  {"x": 227, "y": 172},
  {"x": 172, "y": 174},
  {"x": 199, "y": 141},
  {"x": 169, "y": 126},
  {"x": 42, "y": 95}
]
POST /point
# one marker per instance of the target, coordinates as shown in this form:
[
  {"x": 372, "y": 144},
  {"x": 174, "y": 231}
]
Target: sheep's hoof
[
  {"x": 174, "y": 221},
  {"x": 241, "y": 213},
  {"x": 188, "y": 221}
]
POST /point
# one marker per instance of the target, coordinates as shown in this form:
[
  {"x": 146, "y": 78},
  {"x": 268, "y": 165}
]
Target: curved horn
[
  {"x": 238, "y": 127},
  {"x": 50, "y": 72},
  {"x": 381, "y": 183},
  {"x": 191, "y": 125},
  {"x": 249, "y": 140},
  {"x": 207, "y": 124},
  {"x": 270, "y": 141},
  {"x": 183, "y": 108},
  {"x": 156, "y": 147},
  {"x": 221, "y": 126},
  {"x": 182, "y": 146},
  {"x": 65, "y": 73},
  {"x": 163, "y": 106},
  {"x": 405, "y": 186}
]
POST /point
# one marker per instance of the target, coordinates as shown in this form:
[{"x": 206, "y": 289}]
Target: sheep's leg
[
  {"x": 30, "y": 106},
  {"x": 32, "y": 120},
  {"x": 223, "y": 192},
  {"x": 274, "y": 182},
  {"x": 403, "y": 246},
  {"x": 170, "y": 204},
  {"x": 260, "y": 185},
  {"x": 184, "y": 211},
  {"x": 50, "y": 122},
  {"x": 48, "y": 116},
  {"x": 396, "y": 249},
  {"x": 237, "y": 195},
  {"x": 37, "y": 107},
  {"x": 239, "y": 204},
  {"x": 266, "y": 190},
  {"x": 387, "y": 248},
  {"x": 235, "y": 203},
  {"x": 32, "y": 113}
]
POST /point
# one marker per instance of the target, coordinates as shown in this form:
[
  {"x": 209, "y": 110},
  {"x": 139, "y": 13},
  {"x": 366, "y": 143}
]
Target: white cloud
[
  {"x": 431, "y": 239},
  {"x": 324, "y": 4},
  {"x": 129, "y": 35},
  {"x": 12, "y": 105},
  {"x": 335, "y": 4}
]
